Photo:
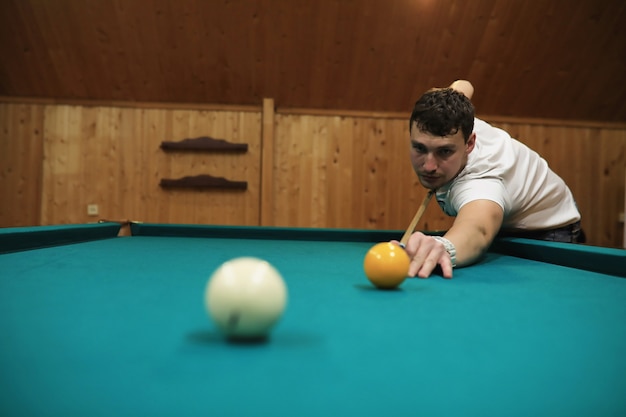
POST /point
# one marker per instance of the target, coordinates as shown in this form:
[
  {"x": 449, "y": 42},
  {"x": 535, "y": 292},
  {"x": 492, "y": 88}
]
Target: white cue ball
[{"x": 245, "y": 297}]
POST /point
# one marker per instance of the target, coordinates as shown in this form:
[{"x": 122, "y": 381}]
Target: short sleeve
[{"x": 464, "y": 192}]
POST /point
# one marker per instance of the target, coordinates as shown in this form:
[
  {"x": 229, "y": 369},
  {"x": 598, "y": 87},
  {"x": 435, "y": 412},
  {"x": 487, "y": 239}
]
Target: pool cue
[{"x": 416, "y": 218}]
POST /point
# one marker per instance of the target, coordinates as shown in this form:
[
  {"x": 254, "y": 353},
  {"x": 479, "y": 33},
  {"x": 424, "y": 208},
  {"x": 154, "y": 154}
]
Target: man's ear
[{"x": 469, "y": 145}]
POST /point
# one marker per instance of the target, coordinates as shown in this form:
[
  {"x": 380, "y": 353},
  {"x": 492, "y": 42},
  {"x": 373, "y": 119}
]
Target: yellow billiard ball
[{"x": 386, "y": 265}]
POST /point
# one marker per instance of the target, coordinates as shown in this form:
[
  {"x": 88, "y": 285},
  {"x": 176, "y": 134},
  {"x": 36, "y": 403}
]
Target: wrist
[{"x": 450, "y": 248}]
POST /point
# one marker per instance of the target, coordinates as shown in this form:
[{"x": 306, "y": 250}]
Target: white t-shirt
[{"x": 506, "y": 171}]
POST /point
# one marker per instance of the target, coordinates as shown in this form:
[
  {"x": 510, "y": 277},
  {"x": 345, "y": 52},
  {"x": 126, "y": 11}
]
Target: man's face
[{"x": 437, "y": 160}]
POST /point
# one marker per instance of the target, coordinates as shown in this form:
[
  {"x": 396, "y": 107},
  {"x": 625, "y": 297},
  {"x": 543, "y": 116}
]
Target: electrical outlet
[{"x": 92, "y": 209}]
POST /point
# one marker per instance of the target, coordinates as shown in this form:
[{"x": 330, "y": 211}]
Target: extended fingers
[
  {"x": 429, "y": 266},
  {"x": 424, "y": 259},
  {"x": 426, "y": 253}
]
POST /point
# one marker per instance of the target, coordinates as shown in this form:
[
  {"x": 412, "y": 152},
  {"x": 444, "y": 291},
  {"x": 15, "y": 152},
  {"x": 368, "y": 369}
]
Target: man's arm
[{"x": 473, "y": 230}]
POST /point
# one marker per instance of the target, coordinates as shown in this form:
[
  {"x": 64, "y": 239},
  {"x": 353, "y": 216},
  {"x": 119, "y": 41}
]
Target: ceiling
[{"x": 557, "y": 59}]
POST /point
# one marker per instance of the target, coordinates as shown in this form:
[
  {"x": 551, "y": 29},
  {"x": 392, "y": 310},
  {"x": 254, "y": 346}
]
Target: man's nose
[{"x": 430, "y": 162}]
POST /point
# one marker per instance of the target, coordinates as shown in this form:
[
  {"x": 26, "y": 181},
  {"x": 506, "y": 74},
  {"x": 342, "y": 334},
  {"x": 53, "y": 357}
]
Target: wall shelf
[
  {"x": 204, "y": 143},
  {"x": 203, "y": 182}
]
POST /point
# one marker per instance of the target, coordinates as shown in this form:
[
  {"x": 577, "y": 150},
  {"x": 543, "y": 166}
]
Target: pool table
[{"x": 99, "y": 322}]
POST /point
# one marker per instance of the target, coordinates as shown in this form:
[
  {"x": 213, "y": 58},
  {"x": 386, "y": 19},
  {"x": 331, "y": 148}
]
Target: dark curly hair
[{"x": 443, "y": 112}]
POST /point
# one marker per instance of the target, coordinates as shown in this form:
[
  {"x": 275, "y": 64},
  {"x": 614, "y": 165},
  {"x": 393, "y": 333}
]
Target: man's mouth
[{"x": 429, "y": 178}]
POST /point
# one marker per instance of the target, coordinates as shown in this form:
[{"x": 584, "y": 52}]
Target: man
[{"x": 488, "y": 181}]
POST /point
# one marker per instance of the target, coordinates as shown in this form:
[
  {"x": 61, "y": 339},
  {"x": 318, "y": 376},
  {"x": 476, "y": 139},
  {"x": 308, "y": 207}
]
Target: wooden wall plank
[
  {"x": 266, "y": 207},
  {"x": 60, "y": 168},
  {"x": 21, "y": 155}
]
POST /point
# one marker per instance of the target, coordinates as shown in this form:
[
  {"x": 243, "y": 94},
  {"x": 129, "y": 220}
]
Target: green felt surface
[{"x": 117, "y": 327}]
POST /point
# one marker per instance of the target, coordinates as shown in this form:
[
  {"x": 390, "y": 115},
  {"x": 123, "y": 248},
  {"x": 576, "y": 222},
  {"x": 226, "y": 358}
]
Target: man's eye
[
  {"x": 445, "y": 152},
  {"x": 419, "y": 148}
]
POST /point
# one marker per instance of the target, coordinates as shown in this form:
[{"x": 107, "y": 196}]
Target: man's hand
[
  {"x": 463, "y": 86},
  {"x": 426, "y": 253}
]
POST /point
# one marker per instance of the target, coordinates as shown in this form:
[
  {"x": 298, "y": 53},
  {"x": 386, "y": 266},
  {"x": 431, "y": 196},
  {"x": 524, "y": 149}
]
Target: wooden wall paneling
[
  {"x": 286, "y": 177},
  {"x": 306, "y": 177},
  {"x": 375, "y": 167},
  {"x": 111, "y": 157},
  {"x": 306, "y": 191},
  {"x": 144, "y": 163},
  {"x": 267, "y": 149},
  {"x": 346, "y": 172},
  {"x": 229, "y": 206},
  {"x": 200, "y": 206},
  {"x": 61, "y": 169},
  {"x": 578, "y": 168},
  {"x": 156, "y": 205},
  {"x": 340, "y": 162},
  {"x": 134, "y": 169},
  {"x": 193, "y": 205},
  {"x": 248, "y": 167},
  {"x": 81, "y": 164},
  {"x": 363, "y": 188},
  {"x": 329, "y": 170},
  {"x": 403, "y": 191},
  {"x": 381, "y": 173},
  {"x": 21, "y": 156},
  {"x": 611, "y": 174},
  {"x": 101, "y": 160},
  {"x": 315, "y": 172},
  {"x": 313, "y": 196}
]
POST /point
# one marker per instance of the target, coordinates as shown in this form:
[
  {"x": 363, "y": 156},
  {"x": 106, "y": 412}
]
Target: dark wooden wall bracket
[
  {"x": 203, "y": 182},
  {"x": 204, "y": 143}
]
